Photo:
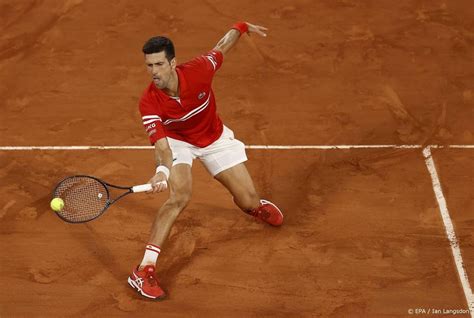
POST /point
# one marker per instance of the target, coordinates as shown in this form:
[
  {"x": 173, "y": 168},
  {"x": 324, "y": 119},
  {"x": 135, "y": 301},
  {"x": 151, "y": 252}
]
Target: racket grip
[{"x": 143, "y": 187}]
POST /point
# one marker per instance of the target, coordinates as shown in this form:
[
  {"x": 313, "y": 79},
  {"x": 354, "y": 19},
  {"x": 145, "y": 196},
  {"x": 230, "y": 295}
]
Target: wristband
[
  {"x": 165, "y": 170},
  {"x": 242, "y": 27}
]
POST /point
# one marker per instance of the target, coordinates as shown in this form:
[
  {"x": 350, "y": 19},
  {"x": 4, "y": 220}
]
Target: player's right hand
[{"x": 158, "y": 182}]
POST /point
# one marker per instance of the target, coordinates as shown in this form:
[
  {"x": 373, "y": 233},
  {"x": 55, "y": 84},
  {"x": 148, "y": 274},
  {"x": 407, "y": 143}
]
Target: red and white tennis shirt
[{"x": 192, "y": 116}]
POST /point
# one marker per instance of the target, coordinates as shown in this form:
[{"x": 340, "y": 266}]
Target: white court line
[
  {"x": 264, "y": 147},
  {"x": 448, "y": 225}
]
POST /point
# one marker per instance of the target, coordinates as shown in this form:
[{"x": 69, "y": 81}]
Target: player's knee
[{"x": 179, "y": 200}]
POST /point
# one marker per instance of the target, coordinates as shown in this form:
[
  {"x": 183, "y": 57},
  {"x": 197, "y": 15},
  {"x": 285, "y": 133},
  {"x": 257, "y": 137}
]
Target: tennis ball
[{"x": 57, "y": 204}]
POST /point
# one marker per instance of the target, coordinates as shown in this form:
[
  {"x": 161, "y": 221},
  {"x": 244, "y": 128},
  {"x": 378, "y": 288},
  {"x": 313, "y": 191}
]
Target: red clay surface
[{"x": 363, "y": 235}]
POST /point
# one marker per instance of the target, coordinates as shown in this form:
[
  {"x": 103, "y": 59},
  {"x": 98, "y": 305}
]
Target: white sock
[{"x": 151, "y": 255}]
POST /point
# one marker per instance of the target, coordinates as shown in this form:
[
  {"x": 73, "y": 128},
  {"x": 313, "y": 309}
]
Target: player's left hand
[{"x": 253, "y": 28}]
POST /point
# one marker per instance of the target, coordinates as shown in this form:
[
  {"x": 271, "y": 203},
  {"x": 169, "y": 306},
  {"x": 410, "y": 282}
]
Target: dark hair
[{"x": 159, "y": 44}]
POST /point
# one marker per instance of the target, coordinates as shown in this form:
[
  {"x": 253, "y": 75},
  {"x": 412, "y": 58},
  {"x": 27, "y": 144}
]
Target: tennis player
[{"x": 178, "y": 109}]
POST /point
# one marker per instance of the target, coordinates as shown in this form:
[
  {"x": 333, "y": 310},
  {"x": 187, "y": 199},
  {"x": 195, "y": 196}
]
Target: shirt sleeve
[
  {"x": 211, "y": 61},
  {"x": 215, "y": 58},
  {"x": 151, "y": 120}
]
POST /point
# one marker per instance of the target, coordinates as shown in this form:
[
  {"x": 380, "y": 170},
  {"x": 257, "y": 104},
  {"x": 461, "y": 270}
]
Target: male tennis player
[{"x": 179, "y": 114}]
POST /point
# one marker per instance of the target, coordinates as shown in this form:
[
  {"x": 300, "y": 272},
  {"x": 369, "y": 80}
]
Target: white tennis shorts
[{"x": 222, "y": 154}]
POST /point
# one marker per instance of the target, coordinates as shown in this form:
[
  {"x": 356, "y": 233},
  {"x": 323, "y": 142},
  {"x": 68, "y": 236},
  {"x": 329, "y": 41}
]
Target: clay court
[{"x": 380, "y": 92}]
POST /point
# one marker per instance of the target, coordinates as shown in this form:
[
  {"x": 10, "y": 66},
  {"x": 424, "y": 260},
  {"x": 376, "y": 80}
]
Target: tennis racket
[{"x": 86, "y": 198}]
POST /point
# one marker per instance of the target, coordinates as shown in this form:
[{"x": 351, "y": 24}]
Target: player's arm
[
  {"x": 230, "y": 39},
  {"x": 164, "y": 161}
]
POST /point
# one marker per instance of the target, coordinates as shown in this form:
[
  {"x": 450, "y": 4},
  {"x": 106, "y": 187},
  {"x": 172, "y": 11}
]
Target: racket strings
[{"x": 84, "y": 198}]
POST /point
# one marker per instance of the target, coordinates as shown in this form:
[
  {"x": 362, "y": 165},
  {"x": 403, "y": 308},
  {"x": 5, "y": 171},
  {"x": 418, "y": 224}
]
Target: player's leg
[
  {"x": 224, "y": 159},
  {"x": 143, "y": 279},
  {"x": 239, "y": 183},
  {"x": 180, "y": 187}
]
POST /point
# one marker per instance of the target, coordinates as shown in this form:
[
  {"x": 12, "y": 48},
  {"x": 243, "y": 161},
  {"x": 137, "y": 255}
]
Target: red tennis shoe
[
  {"x": 269, "y": 213},
  {"x": 146, "y": 283}
]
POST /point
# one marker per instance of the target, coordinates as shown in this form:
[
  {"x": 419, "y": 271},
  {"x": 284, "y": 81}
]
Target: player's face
[{"x": 160, "y": 68}]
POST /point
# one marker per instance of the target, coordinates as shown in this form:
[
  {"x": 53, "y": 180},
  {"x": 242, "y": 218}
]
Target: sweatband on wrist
[
  {"x": 242, "y": 27},
  {"x": 165, "y": 170}
]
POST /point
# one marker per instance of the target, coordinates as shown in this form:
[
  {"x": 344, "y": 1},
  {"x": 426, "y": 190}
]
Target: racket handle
[{"x": 143, "y": 187}]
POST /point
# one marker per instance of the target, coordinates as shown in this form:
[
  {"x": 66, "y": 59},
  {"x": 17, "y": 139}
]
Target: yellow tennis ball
[{"x": 57, "y": 204}]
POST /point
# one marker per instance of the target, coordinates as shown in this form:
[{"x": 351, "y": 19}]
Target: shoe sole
[{"x": 132, "y": 284}]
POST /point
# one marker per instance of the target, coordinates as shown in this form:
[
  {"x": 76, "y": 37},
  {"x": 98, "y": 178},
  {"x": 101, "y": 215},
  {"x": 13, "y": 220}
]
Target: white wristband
[{"x": 165, "y": 170}]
